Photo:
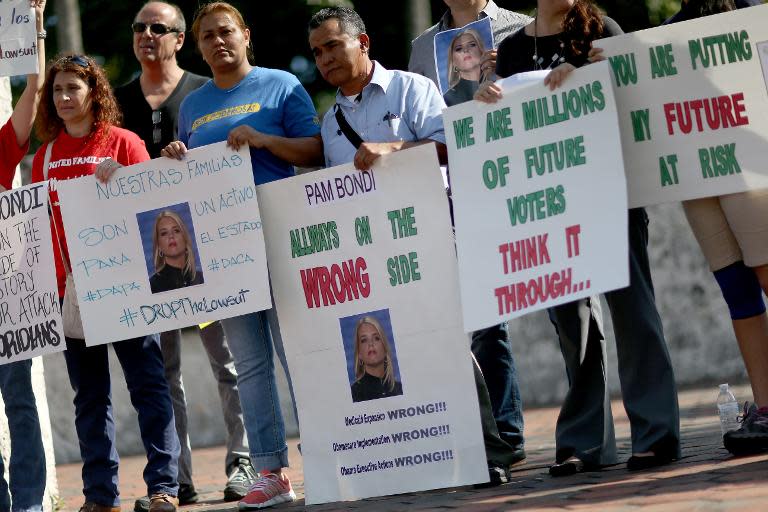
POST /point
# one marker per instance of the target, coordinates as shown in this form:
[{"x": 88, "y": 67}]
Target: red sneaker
[{"x": 269, "y": 489}]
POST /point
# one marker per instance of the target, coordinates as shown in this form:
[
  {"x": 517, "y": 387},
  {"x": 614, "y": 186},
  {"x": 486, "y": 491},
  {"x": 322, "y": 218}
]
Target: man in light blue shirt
[
  {"x": 388, "y": 110},
  {"x": 379, "y": 111}
]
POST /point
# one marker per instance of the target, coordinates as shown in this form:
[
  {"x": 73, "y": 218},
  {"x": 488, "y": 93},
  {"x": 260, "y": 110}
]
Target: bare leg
[{"x": 752, "y": 336}]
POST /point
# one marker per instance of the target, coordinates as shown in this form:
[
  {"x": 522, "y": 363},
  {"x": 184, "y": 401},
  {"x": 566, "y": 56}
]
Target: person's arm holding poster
[
  {"x": 423, "y": 113},
  {"x": 23, "y": 116}
]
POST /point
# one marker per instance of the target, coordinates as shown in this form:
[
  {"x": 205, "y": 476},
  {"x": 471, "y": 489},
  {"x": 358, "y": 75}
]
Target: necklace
[{"x": 537, "y": 60}]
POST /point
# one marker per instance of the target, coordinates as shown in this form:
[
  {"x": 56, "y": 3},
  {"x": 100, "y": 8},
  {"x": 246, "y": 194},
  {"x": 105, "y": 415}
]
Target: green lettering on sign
[
  {"x": 641, "y": 128},
  {"x": 718, "y": 161},
  {"x": 624, "y": 69},
  {"x": 403, "y": 222},
  {"x": 497, "y": 125},
  {"x": 668, "y": 170},
  {"x": 662, "y": 61},
  {"x": 463, "y": 129}
]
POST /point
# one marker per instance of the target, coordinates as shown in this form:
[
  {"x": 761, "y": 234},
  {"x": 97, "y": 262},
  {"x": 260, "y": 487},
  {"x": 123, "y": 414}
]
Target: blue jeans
[
  {"x": 142, "y": 364},
  {"x": 493, "y": 352},
  {"x": 27, "y": 471},
  {"x": 251, "y": 344}
]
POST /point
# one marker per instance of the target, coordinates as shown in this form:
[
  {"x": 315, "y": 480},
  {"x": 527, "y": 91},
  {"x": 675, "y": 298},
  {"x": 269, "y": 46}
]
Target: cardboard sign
[
  {"x": 364, "y": 278},
  {"x": 693, "y": 106},
  {"x": 18, "y": 38},
  {"x": 30, "y": 316},
  {"x": 166, "y": 244},
  {"x": 539, "y": 197}
]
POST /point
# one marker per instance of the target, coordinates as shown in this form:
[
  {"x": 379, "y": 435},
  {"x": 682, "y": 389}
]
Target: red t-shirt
[
  {"x": 74, "y": 157},
  {"x": 10, "y": 154}
]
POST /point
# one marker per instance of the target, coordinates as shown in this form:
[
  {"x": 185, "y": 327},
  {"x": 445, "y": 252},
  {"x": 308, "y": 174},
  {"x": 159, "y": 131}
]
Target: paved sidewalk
[{"x": 707, "y": 478}]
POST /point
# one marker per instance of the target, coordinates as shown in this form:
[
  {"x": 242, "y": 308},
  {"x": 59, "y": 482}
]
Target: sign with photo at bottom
[{"x": 364, "y": 276}]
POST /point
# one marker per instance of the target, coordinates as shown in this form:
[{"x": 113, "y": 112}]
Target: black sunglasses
[{"x": 156, "y": 28}]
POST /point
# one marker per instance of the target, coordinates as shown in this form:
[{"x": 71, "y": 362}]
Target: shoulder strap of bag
[
  {"x": 347, "y": 130},
  {"x": 47, "y": 159},
  {"x": 46, "y": 163}
]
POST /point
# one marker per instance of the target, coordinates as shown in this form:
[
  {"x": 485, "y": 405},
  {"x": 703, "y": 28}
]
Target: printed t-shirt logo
[{"x": 248, "y": 108}]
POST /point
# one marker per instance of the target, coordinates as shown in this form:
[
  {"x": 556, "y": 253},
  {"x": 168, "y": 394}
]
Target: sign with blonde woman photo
[
  {"x": 363, "y": 273},
  {"x": 693, "y": 106},
  {"x": 18, "y": 38},
  {"x": 166, "y": 244},
  {"x": 539, "y": 197},
  {"x": 30, "y": 317}
]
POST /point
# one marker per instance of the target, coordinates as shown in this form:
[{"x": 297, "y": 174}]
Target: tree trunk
[
  {"x": 419, "y": 18},
  {"x": 69, "y": 34}
]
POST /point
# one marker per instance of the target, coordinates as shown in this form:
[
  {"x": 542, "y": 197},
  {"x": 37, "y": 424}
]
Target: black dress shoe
[
  {"x": 188, "y": 494},
  {"x": 497, "y": 475},
  {"x": 518, "y": 457},
  {"x": 636, "y": 463},
  {"x": 568, "y": 467}
]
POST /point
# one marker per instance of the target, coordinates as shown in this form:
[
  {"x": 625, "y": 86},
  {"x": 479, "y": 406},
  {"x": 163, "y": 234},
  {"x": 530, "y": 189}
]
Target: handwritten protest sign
[
  {"x": 30, "y": 317},
  {"x": 18, "y": 38},
  {"x": 166, "y": 244},
  {"x": 364, "y": 277},
  {"x": 693, "y": 106},
  {"x": 539, "y": 197}
]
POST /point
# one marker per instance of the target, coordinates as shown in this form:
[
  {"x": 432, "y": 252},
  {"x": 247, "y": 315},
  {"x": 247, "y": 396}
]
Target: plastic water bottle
[{"x": 728, "y": 408}]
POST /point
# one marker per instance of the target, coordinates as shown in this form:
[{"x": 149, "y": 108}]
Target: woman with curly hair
[
  {"x": 173, "y": 254},
  {"x": 78, "y": 126},
  {"x": 374, "y": 368},
  {"x": 559, "y": 39}
]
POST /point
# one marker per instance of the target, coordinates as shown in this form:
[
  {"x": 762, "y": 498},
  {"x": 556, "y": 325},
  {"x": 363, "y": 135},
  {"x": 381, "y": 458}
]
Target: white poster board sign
[
  {"x": 30, "y": 316},
  {"x": 366, "y": 260},
  {"x": 18, "y": 38},
  {"x": 539, "y": 197},
  {"x": 129, "y": 240},
  {"x": 693, "y": 106}
]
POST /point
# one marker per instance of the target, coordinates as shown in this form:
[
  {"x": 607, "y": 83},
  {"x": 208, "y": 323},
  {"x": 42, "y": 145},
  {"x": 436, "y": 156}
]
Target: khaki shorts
[{"x": 731, "y": 228}]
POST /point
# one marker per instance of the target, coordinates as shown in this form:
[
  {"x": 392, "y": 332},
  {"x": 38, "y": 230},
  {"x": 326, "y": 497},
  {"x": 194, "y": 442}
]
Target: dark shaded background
[{"x": 280, "y": 38}]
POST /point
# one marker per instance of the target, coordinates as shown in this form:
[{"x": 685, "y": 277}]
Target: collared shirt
[
  {"x": 503, "y": 23},
  {"x": 395, "y": 105}
]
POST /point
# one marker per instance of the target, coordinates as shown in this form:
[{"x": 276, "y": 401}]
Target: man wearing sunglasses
[{"x": 150, "y": 105}]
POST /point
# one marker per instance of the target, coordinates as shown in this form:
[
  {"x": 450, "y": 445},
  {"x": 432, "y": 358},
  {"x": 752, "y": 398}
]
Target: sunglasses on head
[
  {"x": 80, "y": 60},
  {"x": 156, "y": 28}
]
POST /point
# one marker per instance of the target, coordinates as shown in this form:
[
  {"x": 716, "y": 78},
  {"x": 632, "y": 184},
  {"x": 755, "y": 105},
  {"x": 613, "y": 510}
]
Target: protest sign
[
  {"x": 693, "y": 106},
  {"x": 364, "y": 278},
  {"x": 18, "y": 38},
  {"x": 30, "y": 316},
  {"x": 166, "y": 244},
  {"x": 539, "y": 197},
  {"x": 458, "y": 53}
]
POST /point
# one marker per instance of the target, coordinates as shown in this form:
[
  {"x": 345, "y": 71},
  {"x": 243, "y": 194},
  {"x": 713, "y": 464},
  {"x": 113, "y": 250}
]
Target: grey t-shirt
[{"x": 503, "y": 23}]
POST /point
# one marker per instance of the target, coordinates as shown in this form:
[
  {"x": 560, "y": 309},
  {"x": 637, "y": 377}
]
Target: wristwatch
[{"x": 42, "y": 34}]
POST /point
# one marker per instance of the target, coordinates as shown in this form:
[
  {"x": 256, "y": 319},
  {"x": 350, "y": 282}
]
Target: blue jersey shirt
[
  {"x": 395, "y": 105},
  {"x": 268, "y": 100}
]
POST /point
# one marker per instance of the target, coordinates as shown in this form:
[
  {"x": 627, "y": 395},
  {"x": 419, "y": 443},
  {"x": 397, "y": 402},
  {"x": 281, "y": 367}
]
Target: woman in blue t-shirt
[{"x": 269, "y": 111}]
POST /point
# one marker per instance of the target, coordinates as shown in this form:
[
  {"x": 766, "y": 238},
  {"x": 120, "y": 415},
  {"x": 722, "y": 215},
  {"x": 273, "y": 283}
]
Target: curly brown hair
[
  {"x": 106, "y": 112},
  {"x": 582, "y": 24}
]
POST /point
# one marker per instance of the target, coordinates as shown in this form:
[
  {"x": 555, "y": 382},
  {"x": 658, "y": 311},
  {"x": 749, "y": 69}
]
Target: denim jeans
[
  {"x": 142, "y": 364},
  {"x": 27, "y": 465},
  {"x": 493, "y": 352},
  {"x": 251, "y": 342},
  {"x": 223, "y": 367}
]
